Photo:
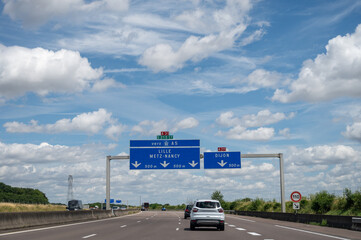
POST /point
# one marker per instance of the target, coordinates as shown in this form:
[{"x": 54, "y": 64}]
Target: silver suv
[{"x": 207, "y": 213}]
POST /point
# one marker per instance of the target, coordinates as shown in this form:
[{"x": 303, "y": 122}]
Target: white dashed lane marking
[
  {"x": 254, "y": 234},
  {"x": 138, "y": 221},
  {"x": 123, "y": 226},
  {"x": 92, "y": 235},
  {"x": 241, "y": 229},
  {"x": 231, "y": 225}
]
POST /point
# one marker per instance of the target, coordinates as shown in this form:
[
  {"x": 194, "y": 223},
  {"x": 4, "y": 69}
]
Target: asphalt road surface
[{"x": 171, "y": 225}]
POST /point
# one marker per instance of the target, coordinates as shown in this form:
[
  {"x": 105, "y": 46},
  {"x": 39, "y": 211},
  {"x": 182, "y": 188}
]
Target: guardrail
[
  {"x": 347, "y": 222},
  {"x": 16, "y": 220}
]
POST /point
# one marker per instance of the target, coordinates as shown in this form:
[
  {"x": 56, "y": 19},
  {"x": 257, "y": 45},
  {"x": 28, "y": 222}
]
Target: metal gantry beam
[
  {"x": 275, "y": 155},
  {"x": 107, "y": 204}
]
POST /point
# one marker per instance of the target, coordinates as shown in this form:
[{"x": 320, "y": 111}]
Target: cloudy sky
[{"x": 80, "y": 78}]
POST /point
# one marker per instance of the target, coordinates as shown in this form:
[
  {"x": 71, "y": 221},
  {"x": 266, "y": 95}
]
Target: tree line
[
  {"x": 21, "y": 195},
  {"x": 320, "y": 203}
]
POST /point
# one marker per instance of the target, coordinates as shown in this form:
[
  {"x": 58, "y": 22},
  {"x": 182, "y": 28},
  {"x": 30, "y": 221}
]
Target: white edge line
[
  {"x": 315, "y": 233},
  {"x": 67, "y": 225},
  {"x": 92, "y": 235}
]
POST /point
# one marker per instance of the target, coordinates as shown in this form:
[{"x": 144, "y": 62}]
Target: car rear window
[{"x": 207, "y": 204}]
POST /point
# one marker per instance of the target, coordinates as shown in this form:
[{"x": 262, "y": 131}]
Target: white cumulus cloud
[
  {"x": 334, "y": 74},
  {"x": 149, "y": 128},
  {"x": 43, "y": 71},
  {"x": 353, "y": 131},
  {"x": 240, "y": 127},
  {"x": 262, "y": 118},
  {"x": 242, "y": 133},
  {"x": 36, "y": 12},
  {"x": 114, "y": 131},
  {"x": 163, "y": 57},
  {"x": 91, "y": 123},
  {"x": 186, "y": 123},
  {"x": 324, "y": 155}
]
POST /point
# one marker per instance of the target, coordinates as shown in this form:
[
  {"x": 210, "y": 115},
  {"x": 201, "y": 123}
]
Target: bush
[
  {"x": 234, "y": 204},
  {"x": 267, "y": 206},
  {"x": 276, "y": 206},
  {"x": 246, "y": 200},
  {"x": 322, "y": 202},
  {"x": 357, "y": 201},
  {"x": 256, "y": 204}
]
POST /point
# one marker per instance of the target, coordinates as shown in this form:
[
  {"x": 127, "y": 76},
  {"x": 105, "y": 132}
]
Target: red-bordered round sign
[{"x": 296, "y": 196}]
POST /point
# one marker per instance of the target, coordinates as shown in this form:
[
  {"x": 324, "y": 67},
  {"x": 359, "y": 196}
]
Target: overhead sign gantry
[{"x": 168, "y": 153}]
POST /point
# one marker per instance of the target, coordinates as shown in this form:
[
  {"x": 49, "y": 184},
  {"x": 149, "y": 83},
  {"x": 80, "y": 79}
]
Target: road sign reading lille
[
  {"x": 222, "y": 160},
  {"x": 296, "y": 197},
  {"x": 164, "y": 154}
]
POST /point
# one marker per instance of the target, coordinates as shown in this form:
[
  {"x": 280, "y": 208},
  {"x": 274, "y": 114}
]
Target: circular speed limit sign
[{"x": 296, "y": 196}]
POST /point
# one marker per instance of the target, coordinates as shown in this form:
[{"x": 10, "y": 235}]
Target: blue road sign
[
  {"x": 118, "y": 201},
  {"x": 111, "y": 200},
  {"x": 164, "y": 154},
  {"x": 222, "y": 160}
]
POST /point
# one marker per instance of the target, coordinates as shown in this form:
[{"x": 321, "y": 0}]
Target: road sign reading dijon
[
  {"x": 222, "y": 160},
  {"x": 164, "y": 154}
]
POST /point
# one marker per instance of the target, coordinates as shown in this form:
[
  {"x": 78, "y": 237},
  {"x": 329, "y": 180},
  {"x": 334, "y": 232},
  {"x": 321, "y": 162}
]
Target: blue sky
[{"x": 79, "y": 79}]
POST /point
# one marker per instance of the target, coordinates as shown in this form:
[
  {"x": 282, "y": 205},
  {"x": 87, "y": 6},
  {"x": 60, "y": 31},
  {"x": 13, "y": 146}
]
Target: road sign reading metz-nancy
[
  {"x": 164, "y": 154},
  {"x": 222, "y": 160}
]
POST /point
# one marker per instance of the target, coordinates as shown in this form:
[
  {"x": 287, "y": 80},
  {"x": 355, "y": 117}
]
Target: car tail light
[
  {"x": 195, "y": 210},
  {"x": 187, "y": 210},
  {"x": 220, "y": 210}
]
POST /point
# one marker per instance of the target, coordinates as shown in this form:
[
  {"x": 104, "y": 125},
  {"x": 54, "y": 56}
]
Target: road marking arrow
[
  {"x": 193, "y": 164},
  {"x": 222, "y": 163},
  {"x": 136, "y": 164},
  {"x": 164, "y": 164}
]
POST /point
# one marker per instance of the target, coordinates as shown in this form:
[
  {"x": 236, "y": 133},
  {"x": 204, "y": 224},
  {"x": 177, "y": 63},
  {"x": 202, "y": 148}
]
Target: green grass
[{"x": 19, "y": 207}]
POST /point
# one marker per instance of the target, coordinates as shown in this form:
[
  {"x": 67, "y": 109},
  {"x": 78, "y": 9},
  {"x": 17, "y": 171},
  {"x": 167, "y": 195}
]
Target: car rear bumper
[{"x": 207, "y": 222}]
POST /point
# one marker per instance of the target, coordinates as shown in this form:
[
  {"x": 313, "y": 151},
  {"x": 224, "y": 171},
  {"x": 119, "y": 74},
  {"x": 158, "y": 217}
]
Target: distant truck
[
  {"x": 146, "y": 206},
  {"x": 74, "y": 205}
]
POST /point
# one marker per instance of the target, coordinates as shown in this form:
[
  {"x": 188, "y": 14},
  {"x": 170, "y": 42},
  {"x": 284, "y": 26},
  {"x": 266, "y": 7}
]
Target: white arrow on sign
[
  {"x": 222, "y": 163},
  {"x": 193, "y": 164},
  {"x": 164, "y": 164},
  {"x": 136, "y": 164}
]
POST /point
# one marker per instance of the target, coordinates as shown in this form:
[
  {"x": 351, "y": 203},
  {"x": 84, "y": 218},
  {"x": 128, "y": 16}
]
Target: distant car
[
  {"x": 187, "y": 211},
  {"x": 164, "y": 209},
  {"x": 207, "y": 213},
  {"x": 115, "y": 208},
  {"x": 142, "y": 209}
]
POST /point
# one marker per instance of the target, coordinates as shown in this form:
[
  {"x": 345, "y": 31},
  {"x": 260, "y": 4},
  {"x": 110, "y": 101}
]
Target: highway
[{"x": 171, "y": 225}]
